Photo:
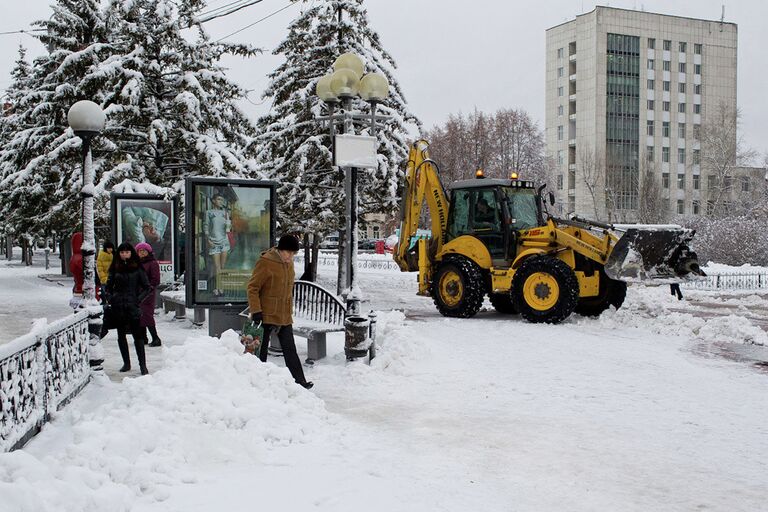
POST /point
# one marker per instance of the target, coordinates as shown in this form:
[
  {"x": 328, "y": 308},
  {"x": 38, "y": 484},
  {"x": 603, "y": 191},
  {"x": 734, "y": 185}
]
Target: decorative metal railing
[
  {"x": 748, "y": 280},
  {"x": 39, "y": 373},
  {"x": 363, "y": 262}
]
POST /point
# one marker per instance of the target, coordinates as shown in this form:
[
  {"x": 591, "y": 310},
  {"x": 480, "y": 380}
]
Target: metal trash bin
[{"x": 356, "y": 339}]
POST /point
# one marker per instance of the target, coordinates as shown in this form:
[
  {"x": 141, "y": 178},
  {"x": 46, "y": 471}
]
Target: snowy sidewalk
[{"x": 624, "y": 412}]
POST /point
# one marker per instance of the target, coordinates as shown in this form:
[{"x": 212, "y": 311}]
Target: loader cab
[{"x": 493, "y": 211}]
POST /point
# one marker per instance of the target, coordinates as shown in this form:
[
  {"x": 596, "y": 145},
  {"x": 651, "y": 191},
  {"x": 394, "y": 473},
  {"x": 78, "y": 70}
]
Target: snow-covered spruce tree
[
  {"x": 40, "y": 158},
  {"x": 171, "y": 108},
  {"x": 295, "y": 150}
]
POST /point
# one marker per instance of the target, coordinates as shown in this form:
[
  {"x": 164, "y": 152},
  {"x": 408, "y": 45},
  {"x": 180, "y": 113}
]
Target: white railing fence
[
  {"x": 746, "y": 280},
  {"x": 41, "y": 372}
]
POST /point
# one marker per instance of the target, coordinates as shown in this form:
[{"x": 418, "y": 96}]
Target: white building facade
[{"x": 627, "y": 92}]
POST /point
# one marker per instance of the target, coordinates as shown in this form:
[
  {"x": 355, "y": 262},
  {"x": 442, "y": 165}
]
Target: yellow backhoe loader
[{"x": 494, "y": 237}]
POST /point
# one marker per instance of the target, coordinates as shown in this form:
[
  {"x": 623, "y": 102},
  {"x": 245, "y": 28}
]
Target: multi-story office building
[{"x": 627, "y": 92}]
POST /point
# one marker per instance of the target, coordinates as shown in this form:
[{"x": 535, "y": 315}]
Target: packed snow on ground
[{"x": 491, "y": 413}]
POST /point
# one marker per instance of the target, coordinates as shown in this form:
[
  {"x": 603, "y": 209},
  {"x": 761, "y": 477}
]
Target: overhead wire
[
  {"x": 235, "y": 6},
  {"x": 256, "y": 22}
]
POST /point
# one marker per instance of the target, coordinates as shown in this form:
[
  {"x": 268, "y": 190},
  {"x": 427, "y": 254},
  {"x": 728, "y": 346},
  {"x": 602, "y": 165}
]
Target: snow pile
[
  {"x": 210, "y": 404},
  {"x": 651, "y": 308},
  {"x": 721, "y": 269}
]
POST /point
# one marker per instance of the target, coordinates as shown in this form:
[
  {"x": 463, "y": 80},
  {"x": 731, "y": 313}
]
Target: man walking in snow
[{"x": 270, "y": 300}]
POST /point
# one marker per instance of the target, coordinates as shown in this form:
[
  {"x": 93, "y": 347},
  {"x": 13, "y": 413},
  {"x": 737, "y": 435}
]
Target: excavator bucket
[{"x": 653, "y": 254}]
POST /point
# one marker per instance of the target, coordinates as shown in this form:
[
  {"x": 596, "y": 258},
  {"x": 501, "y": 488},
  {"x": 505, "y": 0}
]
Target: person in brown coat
[{"x": 270, "y": 301}]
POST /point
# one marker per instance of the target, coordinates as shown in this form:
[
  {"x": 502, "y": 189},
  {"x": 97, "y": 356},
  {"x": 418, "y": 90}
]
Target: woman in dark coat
[
  {"x": 126, "y": 288},
  {"x": 152, "y": 269}
]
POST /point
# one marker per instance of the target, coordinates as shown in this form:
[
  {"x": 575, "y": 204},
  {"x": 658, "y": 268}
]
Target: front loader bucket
[{"x": 659, "y": 254}]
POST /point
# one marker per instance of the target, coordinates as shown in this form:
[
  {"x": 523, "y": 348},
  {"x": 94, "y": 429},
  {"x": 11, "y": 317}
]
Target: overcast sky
[{"x": 456, "y": 56}]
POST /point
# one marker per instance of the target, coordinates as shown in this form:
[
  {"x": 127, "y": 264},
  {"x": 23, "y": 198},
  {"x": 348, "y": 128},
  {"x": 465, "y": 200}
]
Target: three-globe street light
[{"x": 339, "y": 89}]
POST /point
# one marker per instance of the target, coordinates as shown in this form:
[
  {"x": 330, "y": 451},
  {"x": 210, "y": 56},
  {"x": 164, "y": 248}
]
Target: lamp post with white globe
[{"x": 87, "y": 120}]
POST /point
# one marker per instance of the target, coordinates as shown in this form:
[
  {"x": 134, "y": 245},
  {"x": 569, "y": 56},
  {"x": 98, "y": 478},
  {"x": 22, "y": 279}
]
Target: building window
[
  {"x": 667, "y": 45},
  {"x": 695, "y": 207},
  {"x": 651, "y": 83},
  {"x": 649, "y": 154},
  {"x": 560, "y": 110},
  {"x": 696, "y": 157},
  {"x": 696, "y": 127},
  {"x": 697, "y": 48},
  {"x": 559, "y": 182},
  {"x": 560, "y": 91},
  {"x": 666, "y": 106},
  {"x": 697, "y": 89},
  {"x": 665, "y": 128},
  {"x": 560, "y": 132},
  {"x": 681, "y": 130},
  {"x": 560, "y": 72},
  {"x": 650, "y": 128},
  {"x": 681, "y": 108},
  {"x": 651, "y": 43},
  {"x": 680, "y": 206},
  {"x": 560, "y": 52},
  {"x": 560, "y": 157},
  {"x": 710, "y": 207},
  {"x": 681, "y": 67},
  {"x": 683, "y": 47},
  {"x": 665, "y": 159},
  {"x": 728, "y": 183},
  {"x": 681, "y": 155},
  {"x": 745, "y": 185},
  {"x": 650, "y": 64},
  {"x": 665, "y": 180},
  {"x": 666, "y": 85},
  {"x": 667, "y": 65},
  {"x": 681, "y": 181},
  {"x": 696, "y": 182},
  {"x": 697, "y": 69},
  {"x": 650, "y": 105},
  {"x": 681, "y": 87},
  {"x": 697, "y": 108},
  {"x": 711, "y": 182}
]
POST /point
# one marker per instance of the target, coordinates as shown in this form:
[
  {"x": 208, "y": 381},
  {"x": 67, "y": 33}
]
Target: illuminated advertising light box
[
  {"x": 229, "y": 223},
  {"x": 152, "y": 219}
]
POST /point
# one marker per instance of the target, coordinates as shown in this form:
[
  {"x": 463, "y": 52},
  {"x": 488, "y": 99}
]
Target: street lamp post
[
  {"x": 87, "y": 120},
  {"x": 340, "y": 89}
]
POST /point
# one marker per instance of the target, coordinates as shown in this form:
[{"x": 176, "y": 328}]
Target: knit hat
[
  {"x": 288, "y": 243},
  {"x": 143, "y": 245}
]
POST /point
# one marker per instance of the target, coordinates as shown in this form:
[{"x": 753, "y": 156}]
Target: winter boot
[
  {"x": 122, "y": 343},
  {"x": 155, "y": 337},
  {"x": 141, "y": 355}
]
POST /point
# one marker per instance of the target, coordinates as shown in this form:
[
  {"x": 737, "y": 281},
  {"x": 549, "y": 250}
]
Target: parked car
[{"x": 330, "y": 242}]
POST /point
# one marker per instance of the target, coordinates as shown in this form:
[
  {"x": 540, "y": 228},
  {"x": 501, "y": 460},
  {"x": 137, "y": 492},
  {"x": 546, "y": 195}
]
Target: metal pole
[{"x": 89, "y": 237}]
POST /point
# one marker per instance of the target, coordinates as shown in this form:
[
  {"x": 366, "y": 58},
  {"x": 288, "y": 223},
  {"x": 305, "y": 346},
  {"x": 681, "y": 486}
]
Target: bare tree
[
  {"x": 722, "y": 150},
  {"x": 650, "y": 203},
  {"x": 591, "y": 168}
]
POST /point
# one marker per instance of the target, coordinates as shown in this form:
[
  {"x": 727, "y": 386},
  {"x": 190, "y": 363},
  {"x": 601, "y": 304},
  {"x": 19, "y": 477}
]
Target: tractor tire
[
  {"x": 545, "y": 289},
  {"x": 457, "y": 288},
  {"x": 611, "y": 293},
  {"x": 502, "y": 302}
]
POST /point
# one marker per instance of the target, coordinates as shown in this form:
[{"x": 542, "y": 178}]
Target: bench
[
  {"x": 174, "y": 300},
  {"x": 316, "y": 312}
]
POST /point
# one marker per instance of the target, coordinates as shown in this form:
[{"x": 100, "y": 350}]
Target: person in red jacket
[
  {"x": 76, "y": 263},
  {"x": 152, "y": 269}
]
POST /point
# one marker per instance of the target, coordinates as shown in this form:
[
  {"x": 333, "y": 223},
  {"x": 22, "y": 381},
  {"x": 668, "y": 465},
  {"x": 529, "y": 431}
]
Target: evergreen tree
[
  {"x": 295, "y": 150},
  {"x": 170, "y": 108},
  {"x": 39, "y": 160}
]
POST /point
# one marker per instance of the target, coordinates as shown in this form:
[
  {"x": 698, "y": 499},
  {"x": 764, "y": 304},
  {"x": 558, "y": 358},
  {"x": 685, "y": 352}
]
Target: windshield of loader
[{"x": 522, "y": 207}]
